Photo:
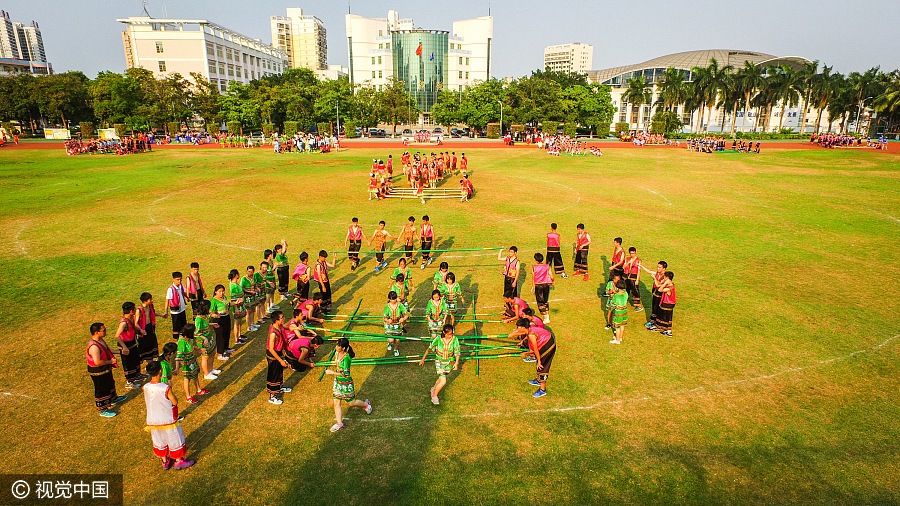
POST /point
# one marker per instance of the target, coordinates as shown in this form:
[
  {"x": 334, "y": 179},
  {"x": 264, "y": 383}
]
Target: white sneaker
[
  {"x": 285, "y": 390},
  {"x": 396, "y": 353},
  {"x": 368, "y": 407},
  {"x": 336, "y": 427},
  {"x": 276, "y": 401},
  {"x": 390, "y": 347},
  {"x": 435, "y": 400},
  {"x": 547, "y": 318},
  {"x": 422, "y": 266},
  {"x": 217, "y": 371},
  {"x": 210, "y": 376}
]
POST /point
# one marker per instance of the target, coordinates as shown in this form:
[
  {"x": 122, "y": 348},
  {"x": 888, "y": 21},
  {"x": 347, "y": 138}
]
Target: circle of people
[{"x": 291, "y": 342}]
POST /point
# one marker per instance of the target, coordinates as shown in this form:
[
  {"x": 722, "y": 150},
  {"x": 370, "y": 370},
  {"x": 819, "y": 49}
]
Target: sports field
[{"x": 779, "y": 385}]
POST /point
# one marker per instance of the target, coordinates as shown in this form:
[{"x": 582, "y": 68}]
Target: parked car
[
  {"x": 437, "y": 135},
  {"x": 377, "y": 133},
  {"x": 406, "y": 133}
]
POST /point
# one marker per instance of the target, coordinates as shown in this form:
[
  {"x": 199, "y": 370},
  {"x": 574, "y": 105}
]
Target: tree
[
  {"x": 887, "y": 103},
  {"x": 750, "y": 79},
  {"x": 825, "y": 87},
  {"x": 331, "y": 96},
  {"x": 807, "y": 79},
  {"x": 665, "y": 122},
  {"x": 447, "y": 108},
  {"x": 706, "y": 84},
  {"x": 672, "y": 88},
  {"x": 64, "y": 96},
  {"x": 588, "y": 105},
  {"x": 204, "y": 100},
  {"x": 481, "y": 104},
  {"x": 637, "y": 94},
  {"x": 863, "y": 86},
  {"x": 365, "y": 106},
  {"x": 394, "y": 103},
  {"x": 785, "y": 82}
]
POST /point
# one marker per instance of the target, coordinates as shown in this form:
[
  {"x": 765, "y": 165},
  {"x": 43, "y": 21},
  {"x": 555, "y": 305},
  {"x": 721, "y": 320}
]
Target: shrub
[
  {"x": 570, "y": 128},
  {"x": 621, "y": 128},
  {"x": 665, "y": 123},
  {"x": 268, "y": 129},
  {"x": 290, "y": 128},
  {"x": 349, "y": 129},
  {"x": 493, "y": 130},
  {"x": 323, "y": 128},
  {"x": 87, "y": 129},
  {"x": 121, "y": 129},
  {"x": 234, "y": 127}
]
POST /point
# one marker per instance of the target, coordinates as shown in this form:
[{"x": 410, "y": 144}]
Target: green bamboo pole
[
  {"x": 346, "y": 327},
  {"x": 364, "y": 335},
  {"x": 478, "y": 341},
  {"x": 390, "y": 251}
]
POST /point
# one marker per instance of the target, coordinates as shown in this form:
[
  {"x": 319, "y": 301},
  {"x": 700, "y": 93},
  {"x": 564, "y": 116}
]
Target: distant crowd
[
  {"x": 848, "y": 141},
  {"x": 124, "y": 146}
]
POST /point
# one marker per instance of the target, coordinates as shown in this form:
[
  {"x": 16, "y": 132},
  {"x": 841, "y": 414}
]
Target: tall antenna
[{"x": 144, "y": 4}]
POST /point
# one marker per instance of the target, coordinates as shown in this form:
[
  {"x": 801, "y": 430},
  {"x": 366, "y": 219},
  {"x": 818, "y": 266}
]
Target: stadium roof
[{"x": 689, "y": 59}]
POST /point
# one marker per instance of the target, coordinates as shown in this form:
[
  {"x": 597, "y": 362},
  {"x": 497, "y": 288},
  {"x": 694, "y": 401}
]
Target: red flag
[{"x": 419, "y": 50}]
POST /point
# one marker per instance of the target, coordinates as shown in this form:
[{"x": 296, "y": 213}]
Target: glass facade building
[{"x": 424, "y": 74}]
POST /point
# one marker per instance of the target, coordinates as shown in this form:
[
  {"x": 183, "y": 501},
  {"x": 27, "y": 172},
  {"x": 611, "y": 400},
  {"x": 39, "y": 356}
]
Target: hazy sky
[{"x": 83, "y": 34}]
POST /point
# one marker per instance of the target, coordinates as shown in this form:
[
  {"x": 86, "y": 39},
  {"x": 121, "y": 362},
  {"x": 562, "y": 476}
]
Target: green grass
[{"x": 778, "y": 388}]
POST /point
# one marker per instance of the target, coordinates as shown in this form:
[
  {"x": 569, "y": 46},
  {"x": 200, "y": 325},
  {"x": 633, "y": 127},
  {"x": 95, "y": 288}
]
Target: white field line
[{"x": 660, "y": 195}]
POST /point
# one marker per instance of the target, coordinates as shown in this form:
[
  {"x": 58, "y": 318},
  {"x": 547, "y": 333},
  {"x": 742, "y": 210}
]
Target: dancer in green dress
[{"x": 343, "y": 388}]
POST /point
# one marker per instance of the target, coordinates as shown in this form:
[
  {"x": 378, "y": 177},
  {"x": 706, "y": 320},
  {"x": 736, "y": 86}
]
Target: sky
[{"x": 84, "y": 35}]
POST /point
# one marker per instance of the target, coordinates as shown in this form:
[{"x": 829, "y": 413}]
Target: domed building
[{"x": 652, "y": 70}]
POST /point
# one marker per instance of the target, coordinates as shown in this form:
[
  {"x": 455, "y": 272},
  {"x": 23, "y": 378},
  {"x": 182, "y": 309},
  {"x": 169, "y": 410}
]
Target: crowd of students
[
  {"x": 302, "y": 142},
  {"x": 557, "y": 144},
  {"x": 848, "y": 141},
  {"x": 123, "y": 146},
  {"x": 421, "y": 171}
]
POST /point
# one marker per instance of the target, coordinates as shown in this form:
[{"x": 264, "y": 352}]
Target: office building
[
  {"x": 21, "y": 48},
  {"x": 302, "y": 38},
  {"x": 575, "y": 57},
  {"x": 223, "y": 56},
  {"x": 426, "y": 61}
]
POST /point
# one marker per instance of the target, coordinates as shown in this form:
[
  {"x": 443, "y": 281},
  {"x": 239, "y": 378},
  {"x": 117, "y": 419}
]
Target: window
[
  {"x": 460, "y": 74},
  {"x": 467, "y": 75},
  {"x": 373, "y": 60},
  {"x": 221, "y": 68},
  {"x": 387, "y": 46},
  {"x": 230, "y": 70},
  {"x": 380, "y": 46},
  {"x": 379, "y": 60},
  {"x": 467, "y": 60},
  {"x": 223, "y": 85},
  {"x": 245, "y": 58},
  {"x": 460, "y": 60},
  {"x": 159, "y": 47},
  {"x": 379, "y": 75},
  {"x": 380, "y": 33},
  {"x": 451, "y": 45},
  {"x": 212, "y": 67},
  {"x": 219, "y": 51},
  {"x": 373, "y": 74},
  {"x": 162, "y": 66},
  {"x": 379, "y": 87},
  {"x": 210, "y": 48}
]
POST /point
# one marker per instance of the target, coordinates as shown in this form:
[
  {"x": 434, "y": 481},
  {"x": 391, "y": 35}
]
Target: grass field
[{"x": 779, "y": 387}]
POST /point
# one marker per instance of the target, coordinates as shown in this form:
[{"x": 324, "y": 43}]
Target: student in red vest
[
  {"x": 148, "y": 344},
  {"x": 100, "y": 363},
  {"x": 302, "y": 274},
  {"x": 659, "y": 278},
  {"x": 632, "y": 267},
  {"x": 320, "y": 274},
  {"x": 176, "y": 305},
  {"x": 618, "y": 258},
  {"x": 554, "y": 257},
  {"x": 541, "y": 281},
  {"x": 464, "y": 164},
  {"x": 582, "y": 246},
  {"x": 195, "y": 291},
  {"x": 127, "y": 339},
  {"x": 275, "y": 345},
  {"x": 667, "y": 301},
  {"x": 542, "y": 344},
  {"x": 510, "y": 272},
  {"x": 353, "y": 240},
  {"x": 453, "y": 163},
  {"x": 427, "y": 236}
]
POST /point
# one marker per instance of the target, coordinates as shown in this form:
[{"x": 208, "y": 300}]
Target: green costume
[
  {"x": 443, "y": 352},
  {"x": 186, "y": 357},
  {"x": 437, "y": 314},
  {"x": 394, "y": 329},
  {"x": 619, "y": 303},
  {"x": 451, "y": 295},
  {"x": 204, "y": 331},
  {"x": 343, "y": 388}
]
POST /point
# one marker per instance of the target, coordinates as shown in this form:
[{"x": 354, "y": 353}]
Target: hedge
[{"x": 87, "y": 130}]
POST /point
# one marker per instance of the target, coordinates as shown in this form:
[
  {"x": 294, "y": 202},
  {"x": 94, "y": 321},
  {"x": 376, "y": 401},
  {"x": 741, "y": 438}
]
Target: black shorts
[
  {"x": 509, "y": 290},
  {"x": 179, "y": 320}
]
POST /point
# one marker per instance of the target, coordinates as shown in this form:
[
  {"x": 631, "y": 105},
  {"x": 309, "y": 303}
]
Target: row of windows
[
  {"x": 386, "y": 45},
  {"x": 234, "y": 55},
  {"x": 461, "y": 74},
  {"x": 461, "y": 60},
  {"x": 373, "y": 60},
  {"x": 380, "y": 73}
]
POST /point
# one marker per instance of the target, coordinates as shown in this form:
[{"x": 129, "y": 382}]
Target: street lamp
[
  {"x": 859, "y": 110},
  {"x": 501, "y": 117},
  {"x": 337, "y": 106}
]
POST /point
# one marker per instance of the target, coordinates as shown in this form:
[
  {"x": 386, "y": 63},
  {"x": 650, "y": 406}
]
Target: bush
[
  {"x": 121, "y": 129},
  {"x": 570, "y": 128},
  {"x": 493, "y": 130},
  {"x": 87, "y": 130},
  {"x": 349, "y": 129},
  {"x": 268, "y": 129},
  {"x": 290, "y": 128},
  {"x": 323, "y": 128},
  {"x": 665, "y": 123},
  {"x": 234, "y": 127},
  {"x": 621, "y": 128}
]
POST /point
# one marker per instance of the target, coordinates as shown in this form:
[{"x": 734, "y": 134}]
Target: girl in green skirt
[{"x": 343, "y": 389}]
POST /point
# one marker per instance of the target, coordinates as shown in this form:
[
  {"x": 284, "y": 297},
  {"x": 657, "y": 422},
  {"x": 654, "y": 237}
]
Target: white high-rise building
[
  {"x": 576, "y": 57},
  {"x": 426, "y": 61},
  {"x": 302, "y": 38},
  {"x": 167, "y": 46},
  {"x": 21, "y": 48}
]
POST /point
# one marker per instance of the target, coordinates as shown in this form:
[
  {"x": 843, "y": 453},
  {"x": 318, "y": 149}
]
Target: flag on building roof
[
  {"x": 432, "y": 56},
  {"x": 419, "y": 50}
]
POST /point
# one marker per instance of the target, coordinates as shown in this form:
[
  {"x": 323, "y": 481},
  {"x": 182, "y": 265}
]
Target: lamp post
[
  {"x": 337, "y": 106},
  {"x": 501, "y": 117},
  {"x": 858, "y": 111}
]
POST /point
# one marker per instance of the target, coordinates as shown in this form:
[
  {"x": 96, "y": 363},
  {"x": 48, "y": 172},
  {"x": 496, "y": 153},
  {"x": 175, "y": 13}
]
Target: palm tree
[
  {"x": 806, "y": 82},
  {"x": 826, "y": 86},
  {"x": 862, "y": 86},
  {"x": 750, "y": 78},
  {"x": 729, "y": 97},
  {"x": 765, "y": 101},
  {"x": 707, "y": 81},
  {"x": 887, "y": 103},
  {"x": 672, "y": 88},
  {"x": 637, "y": 94},
  {"x": 785, "y": 82}
]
